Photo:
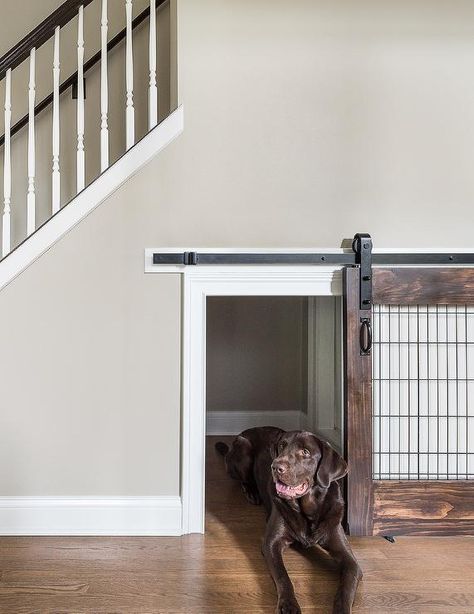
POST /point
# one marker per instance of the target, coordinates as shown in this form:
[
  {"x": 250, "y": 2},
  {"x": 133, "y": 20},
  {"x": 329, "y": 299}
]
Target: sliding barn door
[
  {"x": 357, "y": 406},
  {"x": 410, "y": 435}
]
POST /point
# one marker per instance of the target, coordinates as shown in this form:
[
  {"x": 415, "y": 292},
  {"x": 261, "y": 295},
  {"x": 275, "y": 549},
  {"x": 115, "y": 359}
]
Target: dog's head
[{"x": 300, "y": 461}]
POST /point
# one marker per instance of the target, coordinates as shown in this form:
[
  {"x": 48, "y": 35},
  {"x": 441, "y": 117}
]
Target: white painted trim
[
  {"x": 312, "y": 364},
  {"x": 87, "y": 200},
  {"x": 234, "y": 422},
  {"x": 257, "y": 280},
  {"x": 198, "y": 284},
  {"x": 325, "y": 382},
  {"x": 152, "y": 516}
]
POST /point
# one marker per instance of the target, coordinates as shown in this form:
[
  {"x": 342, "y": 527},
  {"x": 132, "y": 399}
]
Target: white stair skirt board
[
  {"x": 134, "y": 516},
  {"x": 234, "y": 422},
  {"x": 87, "y": 200}
]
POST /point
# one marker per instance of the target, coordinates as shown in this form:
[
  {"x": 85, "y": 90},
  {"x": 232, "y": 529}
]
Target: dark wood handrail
[
  {"x": 42, "y": 33},
  {"x": 69, "y": 82}
]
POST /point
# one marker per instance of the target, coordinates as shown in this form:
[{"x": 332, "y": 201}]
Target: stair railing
[{"x": 50, "y": 28}]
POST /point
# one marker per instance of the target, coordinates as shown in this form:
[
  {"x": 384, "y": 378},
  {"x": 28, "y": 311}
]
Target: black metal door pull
[{"x": 365, "y": 337}]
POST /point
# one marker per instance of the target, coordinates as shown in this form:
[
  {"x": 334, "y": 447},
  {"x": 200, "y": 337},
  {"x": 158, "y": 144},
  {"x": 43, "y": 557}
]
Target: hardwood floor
[{"x": 223, "y": 572}]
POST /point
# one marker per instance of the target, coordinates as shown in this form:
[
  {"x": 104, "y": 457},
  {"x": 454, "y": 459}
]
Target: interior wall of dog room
[
  {"x": 274, "y": 360},
  {"x": 305, "y": 121},
  {"x": 256, "y": 352}
]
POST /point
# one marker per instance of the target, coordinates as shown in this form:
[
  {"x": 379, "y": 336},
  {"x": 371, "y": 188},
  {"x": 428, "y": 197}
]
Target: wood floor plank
[{"x": 223, "y": 572}]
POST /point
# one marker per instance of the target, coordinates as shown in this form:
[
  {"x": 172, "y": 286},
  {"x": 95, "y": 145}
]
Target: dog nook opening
[{"x": 271, "y": 361}]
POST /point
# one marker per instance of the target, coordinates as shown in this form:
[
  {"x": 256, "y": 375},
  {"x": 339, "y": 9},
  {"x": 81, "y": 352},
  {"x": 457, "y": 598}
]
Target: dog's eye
[{"x": 306, "y": 452}]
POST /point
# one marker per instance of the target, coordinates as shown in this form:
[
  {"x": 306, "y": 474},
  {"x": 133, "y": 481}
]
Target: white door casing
[{"x": 198, "y": 284}]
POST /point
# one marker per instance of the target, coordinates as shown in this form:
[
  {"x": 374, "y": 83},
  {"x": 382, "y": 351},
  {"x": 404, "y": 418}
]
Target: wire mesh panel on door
[
  {"x": 422, "y": 420},
  {"x": 423, "y": 392}
]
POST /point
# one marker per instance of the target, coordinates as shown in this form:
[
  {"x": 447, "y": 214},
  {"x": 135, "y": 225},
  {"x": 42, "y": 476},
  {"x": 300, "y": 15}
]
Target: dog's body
[{"x": 294, "y": 474}]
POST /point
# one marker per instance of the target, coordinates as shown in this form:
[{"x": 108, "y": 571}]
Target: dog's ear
[
  {"x": 331, "y": 467},
  {"x": 274, "y": 446}
]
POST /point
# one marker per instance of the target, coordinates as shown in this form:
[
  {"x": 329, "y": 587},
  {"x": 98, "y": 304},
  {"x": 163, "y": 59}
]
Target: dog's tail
[{"x": 222, "y": 448}]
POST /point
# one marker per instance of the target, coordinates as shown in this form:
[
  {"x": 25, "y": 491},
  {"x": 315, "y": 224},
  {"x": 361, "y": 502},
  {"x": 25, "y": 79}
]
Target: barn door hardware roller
[{"x": 362, "y": 246}]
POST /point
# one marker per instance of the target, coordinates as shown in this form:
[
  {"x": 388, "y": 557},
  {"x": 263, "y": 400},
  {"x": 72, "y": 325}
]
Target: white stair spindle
[
  {"x": 104, "y": 92},
  {"x": 152, "y": 88},
  {"x": 130, "y": 111},
  {"x": 31, "y": 195},
  {"x": 56, "y": 178},
  {"x": 7, "y": 177},
  {"x": 80, "y": 161}
]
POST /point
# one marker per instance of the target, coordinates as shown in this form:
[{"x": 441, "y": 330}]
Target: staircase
[{"x": 55, "y": 201}]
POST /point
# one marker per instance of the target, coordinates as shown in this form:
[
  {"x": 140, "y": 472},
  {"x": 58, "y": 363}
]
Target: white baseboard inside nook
[
  {"x": 130, "y": 516},
  {"x": 234, "y": 422}
]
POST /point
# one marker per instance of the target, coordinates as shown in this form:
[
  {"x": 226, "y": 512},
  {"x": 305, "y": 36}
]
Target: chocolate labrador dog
[{"x": 295, "y": 475}]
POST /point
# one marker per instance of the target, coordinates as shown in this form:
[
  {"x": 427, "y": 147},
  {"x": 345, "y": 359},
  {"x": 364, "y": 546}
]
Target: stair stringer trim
[{"x": 91, "y": 197}]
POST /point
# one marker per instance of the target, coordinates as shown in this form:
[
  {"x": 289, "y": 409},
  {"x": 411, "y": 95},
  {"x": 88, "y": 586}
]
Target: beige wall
[
  {"x": 310, "y": 120},
  {"x": 87, "y": 344},
  {"x": 19, "y": 19},
  {"x": 306, "y": 121}
]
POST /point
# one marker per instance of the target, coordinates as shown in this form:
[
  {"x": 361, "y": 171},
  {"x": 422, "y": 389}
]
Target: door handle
[{"x": 365, "y": 336}]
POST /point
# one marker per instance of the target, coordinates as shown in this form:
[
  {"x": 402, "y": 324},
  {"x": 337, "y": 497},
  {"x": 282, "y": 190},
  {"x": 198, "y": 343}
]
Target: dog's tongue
[{"x": 290, "y": 491}]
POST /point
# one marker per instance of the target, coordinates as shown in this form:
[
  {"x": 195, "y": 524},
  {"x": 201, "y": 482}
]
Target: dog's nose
[{"x": 279, "y": 468}]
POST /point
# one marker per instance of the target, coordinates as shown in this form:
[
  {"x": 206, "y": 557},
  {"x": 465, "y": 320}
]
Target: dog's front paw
[
  {"x": 340, "y": 607},
  {"x": 288, "y": 605}
]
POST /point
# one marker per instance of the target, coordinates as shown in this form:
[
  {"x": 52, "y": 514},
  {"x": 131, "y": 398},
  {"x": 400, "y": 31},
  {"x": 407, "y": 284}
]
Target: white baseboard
[
  {"x": 152, "y": 516},
  {"x": 233, "y": 422}
]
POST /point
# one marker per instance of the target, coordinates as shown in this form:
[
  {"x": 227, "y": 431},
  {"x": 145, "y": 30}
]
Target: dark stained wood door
[
  {"x": 357, "y": 410},
  {"x": 420, "y": 488}
]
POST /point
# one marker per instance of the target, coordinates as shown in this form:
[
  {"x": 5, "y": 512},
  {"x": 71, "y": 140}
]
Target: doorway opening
[{"x": 270, "y": 361}]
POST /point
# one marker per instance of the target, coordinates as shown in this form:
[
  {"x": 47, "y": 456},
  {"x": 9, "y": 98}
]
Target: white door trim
[
  {"x": 198, "y": 284},
  {"x": 325, "y": 373}
]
